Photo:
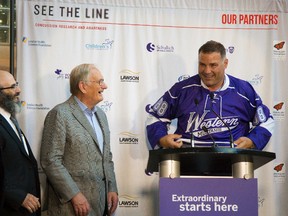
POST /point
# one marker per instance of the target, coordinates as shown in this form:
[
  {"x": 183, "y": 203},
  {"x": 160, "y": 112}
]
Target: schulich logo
[
  {"x": 129, "y": 76},
  {"x": 151, "y": 47},
  {"x": 128, "y": 201},
  {"x": 128, "y": 138}
]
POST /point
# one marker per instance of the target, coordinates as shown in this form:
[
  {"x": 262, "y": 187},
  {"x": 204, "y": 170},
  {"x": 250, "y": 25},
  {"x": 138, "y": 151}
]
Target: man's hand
[
  {"x": 112, "y": 202},
  {"x": 245, "y": 143},
  {"x": 170, "y": 141},
  {"x": 31, "y": 203},
  {"x": 80, "y": 205}
]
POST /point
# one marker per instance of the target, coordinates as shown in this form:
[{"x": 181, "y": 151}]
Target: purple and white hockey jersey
[{"x": 197, "y": 109}]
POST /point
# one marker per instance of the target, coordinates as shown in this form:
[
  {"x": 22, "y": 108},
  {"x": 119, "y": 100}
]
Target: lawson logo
[
  {"x": 128, "y": 138},
  {"x": 127, "y": 75},
  {"x": 128, "y": 201}
]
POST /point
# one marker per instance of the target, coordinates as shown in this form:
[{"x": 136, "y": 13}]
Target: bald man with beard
[{"x": 21, "y": 188}]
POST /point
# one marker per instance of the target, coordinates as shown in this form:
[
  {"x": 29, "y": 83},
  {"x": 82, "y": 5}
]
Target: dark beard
[{"x": 7, "y": 103}]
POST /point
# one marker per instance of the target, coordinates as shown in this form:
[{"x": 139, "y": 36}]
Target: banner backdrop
[{"x": 142, "y": 48}]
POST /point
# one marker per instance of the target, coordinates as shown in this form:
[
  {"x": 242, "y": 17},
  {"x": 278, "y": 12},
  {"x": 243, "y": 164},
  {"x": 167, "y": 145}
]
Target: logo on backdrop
[
  {"x": 278, "y": 106},
  {"x": 260, "y": 202},
  {"x": 34, "y": 106},
  {"x": 183, "y": 77},
  {"x": 23, "y": 103},
  {"x": 279, "y": 167},
  {"x": 230, "y": 49},
  {"x": 256, "y": 80},
  {"x": 128, "y": 138},
  {"x": 151, "y": 47},
  {"x": 127, "y": 75},
  {"x": 279, "y": 45},
  {"x": 40, "y": 43},
  {"x": 128, "y": 201},
  {"x": 61, "y": 75},
  {"x": 279, "y": 173},
  {"x": 279, "y": 110},
  {"x": 279, "y": 50},
  {"x": 106, "y": 45},
  {"x": 106, "y": 106}
]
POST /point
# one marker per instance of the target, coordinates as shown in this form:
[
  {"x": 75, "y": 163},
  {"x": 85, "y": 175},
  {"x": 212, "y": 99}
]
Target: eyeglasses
[
  {"x": 14, "y": 86},
  {"x": 100, "y": 82}
]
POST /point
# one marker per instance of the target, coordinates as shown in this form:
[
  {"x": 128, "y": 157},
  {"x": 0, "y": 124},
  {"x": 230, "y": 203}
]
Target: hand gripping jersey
[{"x": 190, "y": 102}]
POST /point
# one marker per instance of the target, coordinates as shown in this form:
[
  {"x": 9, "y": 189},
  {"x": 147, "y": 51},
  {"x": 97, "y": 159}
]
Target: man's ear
[
  {"x": 226, "y": 63},
  {"x": 82, "y": 86}
]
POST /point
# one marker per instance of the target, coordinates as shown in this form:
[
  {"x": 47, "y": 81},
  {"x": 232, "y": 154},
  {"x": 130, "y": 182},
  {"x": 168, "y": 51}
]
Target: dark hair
[{"x": 213, "y": 46}]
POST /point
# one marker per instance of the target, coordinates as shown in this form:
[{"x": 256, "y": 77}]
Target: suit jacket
[
  {"x": 1, "y": 175},
  {"x": 72, "y": 160},
  {"x": 21, "y": 172}
]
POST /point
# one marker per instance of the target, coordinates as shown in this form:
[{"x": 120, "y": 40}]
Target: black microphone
[
  {"x": 192, "y": 135},
  {"x": 206, "y": 130},
  {"x": 211, "y": 94}
]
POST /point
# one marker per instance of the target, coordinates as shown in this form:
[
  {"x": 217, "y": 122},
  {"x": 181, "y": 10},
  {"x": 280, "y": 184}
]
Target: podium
[
  {"x": 203, "y": 161},
  {"x": 213, "y": 196}
]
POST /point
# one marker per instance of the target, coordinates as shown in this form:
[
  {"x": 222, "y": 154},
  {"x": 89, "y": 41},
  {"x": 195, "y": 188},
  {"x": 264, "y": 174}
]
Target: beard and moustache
[{"x": 10, "y": 103}]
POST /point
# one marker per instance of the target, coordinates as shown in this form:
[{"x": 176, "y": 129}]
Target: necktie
[{"x": 15, "y": 122}]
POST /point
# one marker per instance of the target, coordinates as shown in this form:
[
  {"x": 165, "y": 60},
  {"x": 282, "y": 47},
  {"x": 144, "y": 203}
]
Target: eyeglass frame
[
  {"x": 101, "y": 82},
  {"x": 13, "y": 86}
]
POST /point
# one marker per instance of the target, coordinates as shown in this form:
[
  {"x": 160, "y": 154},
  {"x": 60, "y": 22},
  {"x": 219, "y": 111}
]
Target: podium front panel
[{"x": 208, "y": 197}]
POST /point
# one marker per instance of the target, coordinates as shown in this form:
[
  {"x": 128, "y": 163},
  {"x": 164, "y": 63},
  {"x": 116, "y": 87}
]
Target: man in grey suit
[{"x": 75, "y": 151}]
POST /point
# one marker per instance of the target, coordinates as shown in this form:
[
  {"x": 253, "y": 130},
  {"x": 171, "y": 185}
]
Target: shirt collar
[
  {"x": 4, "y": 113},
  {"x": 223, "y": 87},
  {"x": 84, "y": 108}
]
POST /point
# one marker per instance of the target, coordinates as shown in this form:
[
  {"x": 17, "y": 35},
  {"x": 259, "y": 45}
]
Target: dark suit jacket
[
  {"x": 1, "y": 176},
  {"x": 21, "y": 172}
]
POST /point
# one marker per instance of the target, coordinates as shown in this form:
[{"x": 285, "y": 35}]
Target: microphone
[
  {"x": 211, "y": 94},
  {"x": 206, "y": 130},
  {"x": 192, "y": 136}
]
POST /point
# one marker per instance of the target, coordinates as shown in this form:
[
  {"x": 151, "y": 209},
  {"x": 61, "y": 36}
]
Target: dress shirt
[
  {"x": 91, "y": 116},
  {"x": 7, "y": 116}
]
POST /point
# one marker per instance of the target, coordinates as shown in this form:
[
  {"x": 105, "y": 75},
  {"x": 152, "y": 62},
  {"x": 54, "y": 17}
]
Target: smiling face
[
  {"x": 211, "y": 69},
  {"x": 92, "y": 88}
]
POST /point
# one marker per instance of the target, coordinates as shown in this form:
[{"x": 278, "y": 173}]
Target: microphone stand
[
  {"x": 230, "y": 132},
  {"x": 206, "y": 130},
  {"x": 193, "y": 122}
]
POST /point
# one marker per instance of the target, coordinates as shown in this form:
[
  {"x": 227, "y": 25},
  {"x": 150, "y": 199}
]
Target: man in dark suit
[
  {"x": 1, "y": 177},
  {"x": 21, "y": 188}
]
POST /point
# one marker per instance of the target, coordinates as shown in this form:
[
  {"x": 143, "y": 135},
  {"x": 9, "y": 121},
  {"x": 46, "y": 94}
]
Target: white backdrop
[{"x": 142, "y": 48}]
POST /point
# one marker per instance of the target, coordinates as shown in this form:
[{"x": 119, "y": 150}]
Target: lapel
[
  {"x": 81, "y": 118},
  {"x": 14, "y": 136}
]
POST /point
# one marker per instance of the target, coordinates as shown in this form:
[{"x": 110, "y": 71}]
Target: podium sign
[{"x": 208, "y": 197}]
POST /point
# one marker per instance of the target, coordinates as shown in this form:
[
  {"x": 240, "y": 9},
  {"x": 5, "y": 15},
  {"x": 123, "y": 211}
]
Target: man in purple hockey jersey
[{"x": 212, "y": 109}]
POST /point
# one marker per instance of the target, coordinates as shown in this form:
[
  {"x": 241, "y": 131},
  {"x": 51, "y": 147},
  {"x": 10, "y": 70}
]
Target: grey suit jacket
[{"x": 72, "y": 160}]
